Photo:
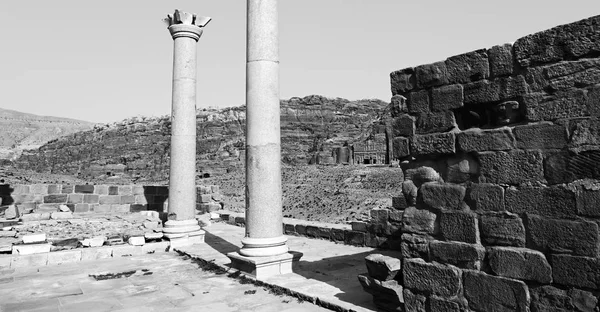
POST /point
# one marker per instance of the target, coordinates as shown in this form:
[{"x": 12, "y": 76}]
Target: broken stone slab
[
  {"x": 34, "y": 238},
  {"x": 153, "y": 235},
  {"x": 30, "y": 249},
  {"x": 12, "y": 212},
  {"x": 136, "y": 240},
  {"x": 64, "y": 208},
  {"x": 151, "y": 224},
  {"x": 8, "y": 233},
  {"x": 35, "y": 217},
  {"x": 154, "y": 215},
  {"x": 59, "y": 215},
  {"x": 387, "y": 295},
  {"x": 382, "y": 267},
  {"x": 96, "y": 241}
]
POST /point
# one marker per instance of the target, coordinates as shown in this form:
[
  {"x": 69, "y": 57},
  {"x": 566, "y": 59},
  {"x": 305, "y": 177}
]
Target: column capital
[{"x": 184, "y": 24}]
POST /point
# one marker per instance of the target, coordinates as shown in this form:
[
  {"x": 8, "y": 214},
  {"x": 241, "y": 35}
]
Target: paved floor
[
  {"x": 327, "y": 270},
  {"x": 155, "y": 282}
]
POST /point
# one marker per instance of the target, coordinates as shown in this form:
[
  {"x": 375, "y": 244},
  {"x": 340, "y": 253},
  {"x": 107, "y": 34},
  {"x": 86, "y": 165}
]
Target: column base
[
  {"x": 263, "y": 267},
  {"x": 183, "y": 232},
  {"x": 264, "y": 247}
]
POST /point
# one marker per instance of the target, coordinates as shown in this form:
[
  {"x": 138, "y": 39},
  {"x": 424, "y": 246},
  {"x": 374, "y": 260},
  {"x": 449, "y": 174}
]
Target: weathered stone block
[
  {"x": 432, "y": 144},
  {"x": 581, "y": 272},
  {"x": 434, "y": 278},
  {"x": 91, "y": 199},
  {"x": 403, "y": 125},
  {"x": 110, "y": 199},
  {"x": 383, "y": 268},
  {"x": 54, "y": 189},
  {"x": 387, "y": 295},
  {"x": 550, "y": 298},
  {"x": 75, "y": 198},
  {"x": 485, "y": 196},
  {"x": 359, "y": 226},
  {"x": 62, "y": 257},
  {"x": 418, "y": 102},
  {"x": 402, "y": 80},
  {"x": 28, "y": 261},
  {"x": 125, "y": 190},
  {"x": 462, "y": 255},
  {"x": 443, "y": 195},
  {"x": 468, "y": 67},
  {"x": 30, "y": 249},
  {"x": 39, "y": 189},
  {"x": 419, "y": 221},
  {"x": 414, "y": 302},
  {"x": 101, "y": 189},
  {"x": 399, "y": 202},
  {"x": 461, "y": 168},
  {"x": 56, "y": 199},
  {"x": 379, "y": 216},
  {"x": 541, "y": 136},
  {"x": 588, "y": 202},
  {"x": 477, "y": 140},
  {"x": 490, "y": 293},
  {"x": 396, "y": 215},
  {"x": 113, "y": 190},
  {"x": 400, "y": 146},
  {"x": 514, "y": 167},
  {"x": 486, "y": 91},
  {"x": 435, "y": 122},
  {"x": 86, "y": 189},
  {"x": 415, "y": 246},
  {"x": 437, "y": 304},
  {"x": 501, "y": 60},
  {"x": 398, "y": 106},
  {"x": 127, "y": 199},
  {"x": 318, "y": 232},
  {"x": 562, "y": 236},
  {"x": 569, "y": 104},
  {"x": 91, "y": 254},
  {"x": 504, "y": 229},
  {"x": 81, "y": 208},
  {"x": 353, "y": 238},
  {"x": 61, "y": 215},
  {"x": 372, "y": 240},
  {"x": 459, "y": 226},
  {"x": 584, "y": 132},
  {"x": 447, "y": 98},
  {"x": 431, "y": 75},
  {"x": 520, "y": 263},
  {"x": 555, "y": 201}
]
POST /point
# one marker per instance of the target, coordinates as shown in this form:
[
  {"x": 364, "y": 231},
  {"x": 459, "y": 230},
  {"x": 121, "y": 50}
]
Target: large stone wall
[{"x": 500, "y": 207}]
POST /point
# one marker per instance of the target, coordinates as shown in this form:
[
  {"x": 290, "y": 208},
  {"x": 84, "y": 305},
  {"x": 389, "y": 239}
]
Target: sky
[{"x": 104, "y": 61}]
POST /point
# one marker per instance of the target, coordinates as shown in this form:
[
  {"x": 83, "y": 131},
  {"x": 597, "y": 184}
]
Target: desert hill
[
  {"x": 20, "y": 131},
  {"x": 138, "y": 148}
]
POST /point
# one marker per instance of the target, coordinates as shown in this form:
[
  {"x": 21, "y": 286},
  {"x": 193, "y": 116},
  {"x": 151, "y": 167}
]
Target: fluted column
[{"x": 186, "y": 29}]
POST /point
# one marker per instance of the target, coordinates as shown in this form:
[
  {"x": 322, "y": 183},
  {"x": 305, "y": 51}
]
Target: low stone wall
[{"x": 39, "y": 200}]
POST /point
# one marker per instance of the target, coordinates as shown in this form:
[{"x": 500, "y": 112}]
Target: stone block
[
  {"x": 126, "y": 251},
  {"x": 62, "y": 257},
  {"x": 56, "y": 199},
  {"x": 399, "y": 202},
  {"x": 491, "y": 293},
  {"x": 29, "y": 261},
  {"x": 433, "y": 278},
  {"x": 39, "y": 189},
  {"x": 414, "y": 302},
  {"x": 91, "y": 199},
  {"x": 402, "y": 80},
  {"x": 554, "y": 201},
  {"x": 398, "y": 105},
  {"x": 113, "y": 190},
  {"x": 67, "y": 189},
  {"x": 437, "y": 304},
  {"x": 127, "y": 199},
  {"x": 318, "y": 232},
  {"x": 514, "y": 167},
  {"x": 101, "y": 189},
  {"x": 60, "y": 215},
  {"x": 435, "y": 122},
  {"x": 477, "y": 140},
  {"x": 467, "y": 67},
  {"x": 379, "y": 215},
  {"x": 583, "y": 272},
  {"x": 109, "y": 199},
  {"x": 96, "y": 241},
  {"x": 588, "y": 202},
  {"x": 359, "y": 226},
  {"x": 142, "y": 199},
  {"x": 562, "y": 236},
  {"x": 383, "y": 268},
  {"x": 501, "y": 60},
  {"x": 419, "y": 221},
  {"x": 584, "y": 132},
  {"x": 30, "y": 249},
  {"x": 136, "y": 240},
  {"x": 85, "y": 189},
  {"x": 137, "y": 189},
  {"x": 300, "y": 229},
  {"x": 443, "y": 195},
  {"x": 570, "y": 41},
  {"x": 550, "y": 298},
  {"x": 499, "y": 89},
  {"x": 125, "y": 190},
  {"x": 205, "y": 198},
  {"x": 5, "y": 261},
  {"x": 35, "y": 217},
  {"x": 520, "y": 263},
  {"x": 403, "y": 125},
  {"x": 503, "y": 229},
  {"x": 34, "y": 238},
  {"x": 447, "y": 98},
  {"x": 137, "y": 207},
  {"x": 431, "y": 75},
  {"x": 75, "y": 198},
  {"x": 485, "y": 197},
  {"x": 541, "y": 135},
  {"x": 101, "y": 208},
  {"x": 463, "y": 255},
  {"x": 353, "y": 238},
  {"x": 92, "y": 254},
  {"x": 568, "y": 104},
  {"x": 433, "y": 144},
  {"x": 79, "y": 208},
  {"x": 372, "y": 240},
  {"x": 54, "y": 189},
  {"x": 418, "y": 102},
  {"x": 400, "y": 147},
  {"x": 337, "y": 235},
  {"x": 459, "y": 226},
  {"x": 387, "y": 295}
]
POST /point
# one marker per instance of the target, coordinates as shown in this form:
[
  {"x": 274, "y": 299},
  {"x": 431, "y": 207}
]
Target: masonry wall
[
  {"x": 39, "y": 200},
  {"x": 501, "y": 153}
]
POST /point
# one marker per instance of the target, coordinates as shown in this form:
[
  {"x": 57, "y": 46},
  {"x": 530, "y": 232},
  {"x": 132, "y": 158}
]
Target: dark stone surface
[
  {"x": 403, "y": 125},
  {"x": 462, "y": 255},
  {"x": 435, "y": 122},
  {"x": 55, "y": 199},
  {"x": 435, "y": 278},
  {"x": 386, "y": 295},
  {"x": 431, "y": 75},
  {"x": 414, "y": 302},
  {"x": 398, "y": 105},
  {"x": 513, "y": 167},
  {"x": 401, "y": 147},
  {"x": 86, "y": 189},
  {"x": 562, "y": 236},
  {"x": 352, "y": 238},
  {"x": 399, "y": 202},
  {"x": 461, "y": 168},
  {"x": 402, "y": 80},
  {"x": 555, "y": 201},
  {"x": 501, "y": 60},
  {"x": 467, "y": 67},
  {"x": 443, "y": 195},
  {"x": 419, "y": 221},
  {"x": 588, "y": 202},
  {"x": 418, "y": 102},
  {"x": 490, "y": 293},
  {"x": 499, "y": 89},
  {"x": 550, "y": 298},
  {"x": 415, "y": 246},
  {"x": 575, "y": 271},
  {"x": 459, "y": 226},
  {"x": 503, "y": 229},
  {"x": 432, "y": 144},
  {"x": 540, "y": 136},
  {"x": 485, "y": 197},
  {"x": 477, "y": 140},
  {"x": 520, "y": 263},
  {"x": 568, "y": 104},
  {"x": 437, "y": 304},
  {"x": 383, "y": 268},
  {"x": 447, "y": 97}
]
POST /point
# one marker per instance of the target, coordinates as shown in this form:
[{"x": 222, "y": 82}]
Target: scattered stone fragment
[
  {"x": 136, "y": 240},
  {"x": 8, "y": 233},
  {"x": 114, "y": 240},
  {"x": 150, "y": 224},
  {"x": 58, "y": 215},
  {"x": 94, "y": 241},
  {"x": 34, "y": 238},
  {"x": 150, "y": 213},
  {"x": 382, "y": 267},
  {"x": 153, "y": 235},
  {"x": 12, "y": 212},
  {"x": 64, "y": 208}
]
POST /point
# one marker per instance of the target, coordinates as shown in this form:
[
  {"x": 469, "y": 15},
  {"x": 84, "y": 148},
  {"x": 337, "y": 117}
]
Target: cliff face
[
  {"x": 139, "y": 147},
  {"x": 20, "y": 131}
]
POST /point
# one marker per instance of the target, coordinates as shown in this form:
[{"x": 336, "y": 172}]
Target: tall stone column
[
  {"x": 264, "y": 250},
  {"x": 186, "y": 29}
]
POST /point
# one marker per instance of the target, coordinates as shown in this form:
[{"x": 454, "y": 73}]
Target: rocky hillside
[
  {"x": 138, "y": 148},
  {"x": 20, "y": 131}
]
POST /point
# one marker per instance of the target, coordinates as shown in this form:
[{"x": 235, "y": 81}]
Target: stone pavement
[
  {"x": 151, "y": 282},
  {"x": 326, "y": 274}
]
